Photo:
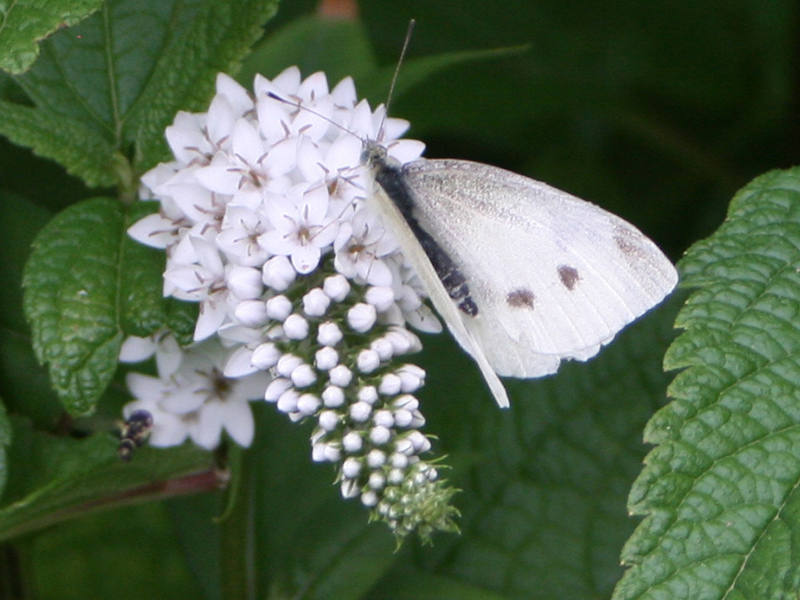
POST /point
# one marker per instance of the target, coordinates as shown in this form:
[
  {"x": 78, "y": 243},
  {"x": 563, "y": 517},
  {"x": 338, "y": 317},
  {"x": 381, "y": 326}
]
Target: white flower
[
  {"x": 288, "y": 363},
  {"x": 303, "y": 376},
  {"x": 197, "y": 400},
  {"x": 390, "y": 385},
  {"x": 383, "y": 348},
  {"x": 329, "y": 420},
  {"x": 163, "y": 345},
  {"x": 278, "y": 273},
  {"x": 316, "y": 303},
  {"x": 381, "y": 297},
  {"x": 295, "y": 327},
  {"x": 203, "y": 281},
  {"x": 351, "y": 468},
  {"x": 188, "y": 139},
  {"x": 362, "y": 317},
  {"x": 326, "y": 358},
  {"x": 333, "y": 396},
  {"x": 240, "y": 230},
  {"x": 336, "y": 288},
  {"x": 265, "y": 356},
  {"x": 158, "y": 230},
  {"x": 251, "y": 313},
  {"x": 277, "y": 388},
  {"x": 302, "y": 226},
  {"x": 360, "y": 246},
  {"x": 329, "y": 334},
  {"x": 367, "y": 361},
  {"x": 308, "y": 404},
  {"x": 360, "y": 411},
  {"x": 264, "y": 220},
  {"x": 352, "y": 442},
  {"x": 340, "y": 376}
]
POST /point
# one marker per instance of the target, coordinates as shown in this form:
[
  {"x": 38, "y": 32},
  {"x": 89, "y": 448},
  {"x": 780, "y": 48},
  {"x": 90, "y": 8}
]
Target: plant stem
[{"x": 236, "y": 532}]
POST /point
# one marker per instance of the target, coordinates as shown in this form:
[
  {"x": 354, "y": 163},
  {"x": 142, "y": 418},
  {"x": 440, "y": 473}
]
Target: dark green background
[{"x": 655, "y": 110}]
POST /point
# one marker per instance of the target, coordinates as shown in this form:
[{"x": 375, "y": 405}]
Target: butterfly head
[{"x": 373, "y": 155}]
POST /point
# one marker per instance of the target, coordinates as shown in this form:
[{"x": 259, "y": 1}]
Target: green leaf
[
  {"x": 71, "y": 300},
  {"x": 82, "y": 151},
  {"x": 26, "y": 22},
  {"x": 57, "y": 478},
  {"x": 194, "y": 523},
  {"x": 720, "y": 490},
  {"x": 87, "y": 285},
  {"x": 113, "y": 83},
  {"x": 215, "y": 40}
]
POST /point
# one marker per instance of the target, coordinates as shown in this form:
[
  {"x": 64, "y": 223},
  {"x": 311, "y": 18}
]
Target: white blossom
[
  {"x": 326, "y": 358},
  {"x": 336, "y": 288},
  {"x": 360, "y": 411},
  {"x": 316, "y": 303},
  {"x": 295, "y": 327},
  {"x": 276, "y": 389},
  {"x": 333, "y": 396},
  {"x": 340, "y": 376},
  {"x": 352, "y": 442},
  {"x": 368, "y": 394},
  {"x": 303, "y": 376},
  {"x": 362, "y": 317},
  {"x": 302, "y": 224},
  {"x": 351, "y": 467},
  {"x": 278, "y": 273},
  {"x": 368, "y": 360},
  {"x": 251, "y": 313},
  {"x": 328, "y": 420},
  {"x": 329, "y": 334},
  {"x": 197, "y": 400},
  {"x": 380, "y": 435},
  {"x": 265, "y": 356},
  {"x": 390, "y": 385},
  {"x": 264, "y": 220}
]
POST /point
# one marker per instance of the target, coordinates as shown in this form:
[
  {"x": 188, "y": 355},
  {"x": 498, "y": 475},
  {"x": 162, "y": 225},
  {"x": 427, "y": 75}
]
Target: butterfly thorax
[{"x": 389, "y": 175}]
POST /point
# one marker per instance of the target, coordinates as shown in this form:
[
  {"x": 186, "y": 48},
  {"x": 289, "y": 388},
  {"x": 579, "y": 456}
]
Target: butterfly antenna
[
  {"x": 409, "y": 31},
  {"x": 299, "y": 106}
]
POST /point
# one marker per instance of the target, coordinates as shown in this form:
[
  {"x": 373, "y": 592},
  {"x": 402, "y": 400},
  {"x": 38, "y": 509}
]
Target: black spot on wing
[
  {"x": 521, "y": 298},
  {"x": 629, "y": 244},
  {"x": 569, "y": 276}
]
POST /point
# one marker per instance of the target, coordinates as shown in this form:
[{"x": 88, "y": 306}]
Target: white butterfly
[{"x": 523, "y": 274}]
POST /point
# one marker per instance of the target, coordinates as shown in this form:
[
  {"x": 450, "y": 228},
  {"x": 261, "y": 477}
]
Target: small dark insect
[{"x": 134, "y": 432}]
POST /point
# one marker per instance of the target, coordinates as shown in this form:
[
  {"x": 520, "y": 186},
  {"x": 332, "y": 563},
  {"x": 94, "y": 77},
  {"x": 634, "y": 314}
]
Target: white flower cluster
[
  {"x": 191, "y": 397},
  {"x": 264, "y": 219}
]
